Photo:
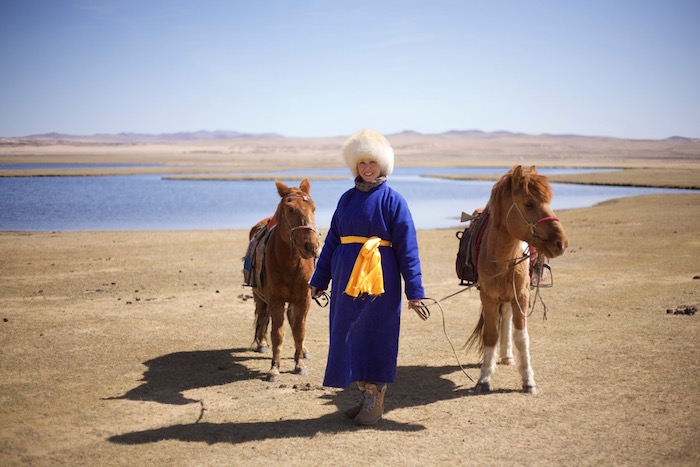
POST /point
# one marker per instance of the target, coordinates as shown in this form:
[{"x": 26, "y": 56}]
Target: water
[{"x": 147, "y": 202}]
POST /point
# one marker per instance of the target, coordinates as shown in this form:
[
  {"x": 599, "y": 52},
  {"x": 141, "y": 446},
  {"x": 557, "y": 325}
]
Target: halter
[
  {"x": 292, "y": 241},
  {"x": 531, "y": 226}
]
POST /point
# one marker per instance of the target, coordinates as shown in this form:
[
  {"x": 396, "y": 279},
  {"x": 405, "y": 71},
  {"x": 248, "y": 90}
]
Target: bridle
[
  {"x": 293, "y": 242},
  {"x": 530, "y": 225},
  {"x": 291, "y": 229}
]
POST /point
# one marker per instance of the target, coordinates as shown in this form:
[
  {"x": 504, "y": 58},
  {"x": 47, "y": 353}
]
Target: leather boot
[
  {"x": 373, "y": 407},
  {"x": 355, "y": 409}
]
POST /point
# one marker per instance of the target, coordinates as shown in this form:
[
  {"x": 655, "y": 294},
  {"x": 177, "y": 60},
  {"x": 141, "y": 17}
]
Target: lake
[{"x": 147, "y": 202}]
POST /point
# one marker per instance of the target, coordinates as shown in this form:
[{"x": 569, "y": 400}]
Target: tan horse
[
  {"x": 518, "y": 211},
  {"x": 289, "y": 256}
]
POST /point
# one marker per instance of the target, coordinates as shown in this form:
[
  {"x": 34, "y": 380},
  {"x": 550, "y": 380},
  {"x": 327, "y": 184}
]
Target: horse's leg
[
  {"x": 291, "y": 317},
  {"x": 297, "y": 315},
  {"x": 490, "y": 337},
  {"x": 522, "y": 343},
  {"x": 506, "y": 335},
  {"x": 276, "y": 311},
  {"x": 262, "y": 319}
]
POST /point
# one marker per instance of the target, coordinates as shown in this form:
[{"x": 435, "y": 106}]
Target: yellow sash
[{"x": 366, "y": 276}]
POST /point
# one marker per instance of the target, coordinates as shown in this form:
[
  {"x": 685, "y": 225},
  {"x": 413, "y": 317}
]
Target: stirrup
[{"x": 536, "y": 280}]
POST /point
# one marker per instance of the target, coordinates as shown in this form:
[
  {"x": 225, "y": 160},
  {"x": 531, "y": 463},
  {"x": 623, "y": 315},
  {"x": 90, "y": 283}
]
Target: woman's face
[{"x": 368, "y": 170}]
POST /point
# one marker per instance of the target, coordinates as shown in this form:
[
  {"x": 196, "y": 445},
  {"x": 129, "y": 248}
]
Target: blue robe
[{"x": 364, "y": 331}]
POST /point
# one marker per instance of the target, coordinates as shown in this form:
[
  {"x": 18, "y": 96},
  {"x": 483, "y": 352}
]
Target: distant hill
[
  {"x": 136, "y": 138},
  {"x": 220, "y": 135}
]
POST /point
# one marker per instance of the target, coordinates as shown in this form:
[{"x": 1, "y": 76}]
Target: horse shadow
[{"x": 169, "y": 376}]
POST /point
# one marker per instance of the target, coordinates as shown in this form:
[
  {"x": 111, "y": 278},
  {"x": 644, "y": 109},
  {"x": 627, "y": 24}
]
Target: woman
[{"x": 370, "y": 245}]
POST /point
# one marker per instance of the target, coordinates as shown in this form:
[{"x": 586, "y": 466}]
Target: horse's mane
[{"x": 532, "y": 184}]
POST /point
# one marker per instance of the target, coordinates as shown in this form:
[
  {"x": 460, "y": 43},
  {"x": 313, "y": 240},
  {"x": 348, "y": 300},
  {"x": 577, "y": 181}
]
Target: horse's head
[
  {"x": 296, "y": 214},
  {"x": 523, "y": 205}
]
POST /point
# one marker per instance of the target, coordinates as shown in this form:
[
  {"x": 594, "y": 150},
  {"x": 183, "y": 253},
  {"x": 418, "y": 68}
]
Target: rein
[{"x": 424, "y": 314}]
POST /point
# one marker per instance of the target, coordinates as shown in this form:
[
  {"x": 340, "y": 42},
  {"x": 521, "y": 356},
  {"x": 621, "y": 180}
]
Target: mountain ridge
[{"x": 213, "y": 135}]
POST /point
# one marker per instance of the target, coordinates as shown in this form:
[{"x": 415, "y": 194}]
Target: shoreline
[
  {"x": 641, "y": 177},
  {"x": 688, "y": 179}
]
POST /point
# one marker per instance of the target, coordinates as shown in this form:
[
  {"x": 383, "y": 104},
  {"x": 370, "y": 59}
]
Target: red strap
[{"x": 550, "y": 218}]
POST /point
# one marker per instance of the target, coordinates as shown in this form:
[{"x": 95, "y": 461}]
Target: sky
[{"x": 620, "y": 68}]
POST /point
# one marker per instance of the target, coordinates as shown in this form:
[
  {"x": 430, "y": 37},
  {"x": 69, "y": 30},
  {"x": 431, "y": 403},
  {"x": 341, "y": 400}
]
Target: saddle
[
  {"x": 254, "y": 259},
  {"x": 468, "y": 253},
  {"x": 469, "y": 244}
]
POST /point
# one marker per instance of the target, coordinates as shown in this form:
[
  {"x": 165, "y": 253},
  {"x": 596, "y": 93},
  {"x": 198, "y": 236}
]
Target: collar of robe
[{"x": 367, "y": 186}]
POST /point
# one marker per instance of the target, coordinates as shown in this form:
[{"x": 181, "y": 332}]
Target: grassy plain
[{"x": 132, "y": 348}]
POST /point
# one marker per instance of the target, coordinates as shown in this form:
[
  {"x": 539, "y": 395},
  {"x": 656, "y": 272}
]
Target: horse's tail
[{"x": 477, "y": 336}]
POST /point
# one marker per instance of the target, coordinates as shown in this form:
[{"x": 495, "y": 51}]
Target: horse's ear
[
  {"x": 305, "y": 186},
  {"x": 516, "y": 178},
  {"x": 282, "y": 189}
]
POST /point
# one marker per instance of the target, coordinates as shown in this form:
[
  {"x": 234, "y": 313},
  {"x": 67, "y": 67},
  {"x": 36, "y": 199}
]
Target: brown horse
[
  {"x": 518, "y": 211},
  {"x": 288, "y": 259}
]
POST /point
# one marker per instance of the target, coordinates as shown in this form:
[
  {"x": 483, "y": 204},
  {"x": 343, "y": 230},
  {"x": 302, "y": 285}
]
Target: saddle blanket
[{"x": 254, "y": 260}]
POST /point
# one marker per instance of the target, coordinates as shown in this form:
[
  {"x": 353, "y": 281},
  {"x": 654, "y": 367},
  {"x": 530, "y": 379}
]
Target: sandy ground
[{"x": 132, "y": 348}]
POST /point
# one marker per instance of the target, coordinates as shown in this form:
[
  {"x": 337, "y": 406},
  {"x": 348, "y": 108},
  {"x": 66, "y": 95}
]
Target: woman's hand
[
  {"x": 420, "y": 308},
  {"x": 315, "y": 291}
]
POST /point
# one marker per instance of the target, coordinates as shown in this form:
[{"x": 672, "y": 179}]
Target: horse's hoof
[
  {"x": 307, "y": 356},
  {"x": 261, "y": 349},
  {"x": 301, "y": 371},
  {"x": 483, "y": 388},
  {"x": 507, "y": 361},
  {"x": 530, "y": 390},
  {"x": 273, "y": 375}
]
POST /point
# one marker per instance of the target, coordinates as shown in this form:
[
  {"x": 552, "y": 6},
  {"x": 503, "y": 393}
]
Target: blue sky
[{"x": 627, "y": 69}]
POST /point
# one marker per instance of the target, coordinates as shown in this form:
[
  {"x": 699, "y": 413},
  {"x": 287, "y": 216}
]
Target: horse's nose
[
  {"x": 311, "y": 249},
  {"x": 562, "y": 245}
]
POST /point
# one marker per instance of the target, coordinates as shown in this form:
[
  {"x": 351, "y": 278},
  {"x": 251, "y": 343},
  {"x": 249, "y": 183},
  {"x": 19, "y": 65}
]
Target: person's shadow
[{"x": 168, "y": 376}]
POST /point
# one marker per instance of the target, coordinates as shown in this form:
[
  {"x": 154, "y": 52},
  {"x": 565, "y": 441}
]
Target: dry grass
[{"x": 123, "y": 348}]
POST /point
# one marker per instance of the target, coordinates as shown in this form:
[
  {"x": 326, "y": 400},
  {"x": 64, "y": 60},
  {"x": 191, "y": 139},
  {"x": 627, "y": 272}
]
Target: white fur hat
[{"x": 368, "y": 144}]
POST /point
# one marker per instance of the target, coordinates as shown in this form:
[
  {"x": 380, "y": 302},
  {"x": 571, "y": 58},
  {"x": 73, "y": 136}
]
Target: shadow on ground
[
  {"x": 170, "y": 375},
  {"x": 167, "y": 377}
]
